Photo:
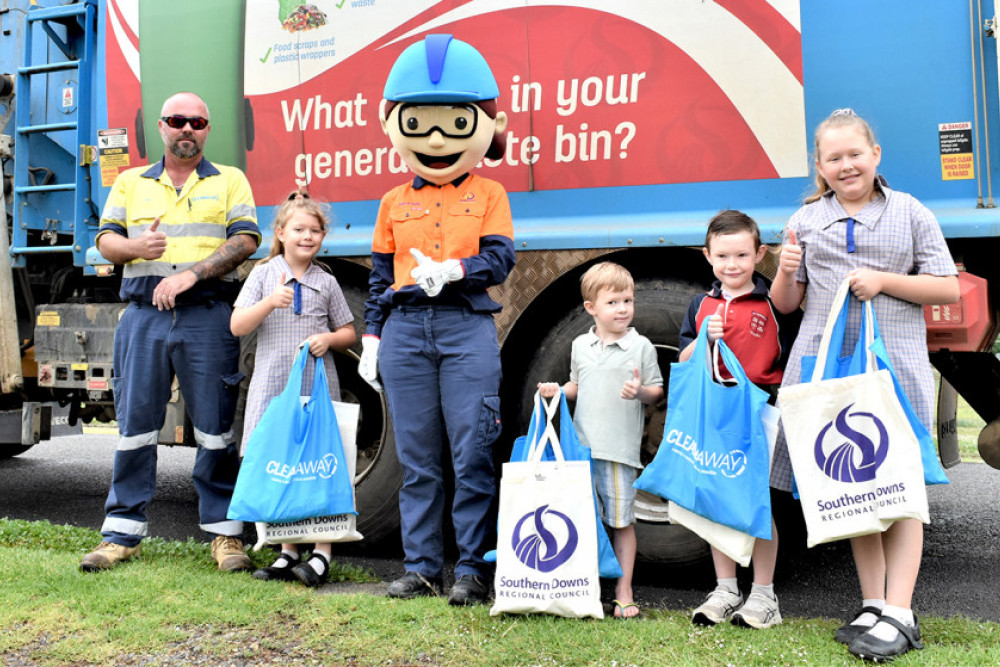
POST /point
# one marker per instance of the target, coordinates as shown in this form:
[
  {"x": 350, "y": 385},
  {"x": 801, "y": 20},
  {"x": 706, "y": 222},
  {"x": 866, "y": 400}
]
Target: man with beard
[{"x": 180, "y": 227}]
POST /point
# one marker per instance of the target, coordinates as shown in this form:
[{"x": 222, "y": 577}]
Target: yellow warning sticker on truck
[
  {"x": 47, "y": 318},
  {"x": 957, "y": 159},
  {"x": 112, "y": 145}
]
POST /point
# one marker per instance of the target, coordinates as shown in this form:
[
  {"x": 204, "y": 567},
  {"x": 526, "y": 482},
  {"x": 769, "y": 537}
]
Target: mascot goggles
[{"x": 452, "y": 120}]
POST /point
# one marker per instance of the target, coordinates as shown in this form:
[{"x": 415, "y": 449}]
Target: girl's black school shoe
[
  {"x": 849, "y": 631},
  {"x": 307, "y": 575},
  {"x": 279, "y": 573},
  {"x": 869, "y": 647}
]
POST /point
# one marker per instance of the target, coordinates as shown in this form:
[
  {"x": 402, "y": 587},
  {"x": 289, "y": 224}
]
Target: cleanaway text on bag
[
  {"x": 333, "y": 528},
  {"x": 713, "y": 459}
]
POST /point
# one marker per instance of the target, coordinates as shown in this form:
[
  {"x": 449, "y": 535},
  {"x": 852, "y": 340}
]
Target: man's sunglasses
[{"x": 178, "y": 122}]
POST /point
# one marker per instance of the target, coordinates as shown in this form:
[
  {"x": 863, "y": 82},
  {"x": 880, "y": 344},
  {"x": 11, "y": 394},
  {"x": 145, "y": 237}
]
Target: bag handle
[
  {"x": 709, "y": 360},
  {"x": 832, "y": 341},
  {"x": 320, "y": 389},
  {"x": 548, "y": 437}
]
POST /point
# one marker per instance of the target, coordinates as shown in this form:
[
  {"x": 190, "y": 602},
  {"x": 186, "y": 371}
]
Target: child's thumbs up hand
[
  {"x": 282, "y": 295},
  {"x": 791, "y": 255},
  {"x": 632, "y": 387},
  {"x": 715, "y": 323}
]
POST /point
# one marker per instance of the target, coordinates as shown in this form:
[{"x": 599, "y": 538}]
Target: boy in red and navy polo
[{"x": 739, "y": 311}]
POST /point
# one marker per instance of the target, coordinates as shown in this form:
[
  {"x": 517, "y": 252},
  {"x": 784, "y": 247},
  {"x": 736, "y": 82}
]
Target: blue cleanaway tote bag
[
  {"x": 573, "y": 450},
  {"x": 294, "y": 467},
  {"x": 838, "y": 366},
  {"x": 713, "y": 459}
]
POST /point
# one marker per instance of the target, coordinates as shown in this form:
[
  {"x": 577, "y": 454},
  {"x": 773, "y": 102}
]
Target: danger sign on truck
[{"x": 957, "y": 162}]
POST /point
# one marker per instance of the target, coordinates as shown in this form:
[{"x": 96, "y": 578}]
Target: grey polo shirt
[{"x": 610, "y": 425}]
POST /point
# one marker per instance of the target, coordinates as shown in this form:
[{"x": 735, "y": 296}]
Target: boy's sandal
[
  {"x": 304, "y": 572},
  {"x": 869, "y": 647},
  {"x": 848, "y": 631},
  {"x": 622, "y": 606},
  {"x": 280, "y": 573}
]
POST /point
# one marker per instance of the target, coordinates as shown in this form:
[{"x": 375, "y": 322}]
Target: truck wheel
[
  {"x": 378, "y": 477},
  {"x": 660, "y": 308},
  {"x": 11, "y": 450}
]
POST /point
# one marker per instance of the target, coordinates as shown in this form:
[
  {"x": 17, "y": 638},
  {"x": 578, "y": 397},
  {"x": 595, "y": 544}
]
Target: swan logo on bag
[
  {"x": 728, "y": 464},
  {"x": 540, "y": 549},
  {"x": 303, "y": 471},
  {"x": 840, "y": 464}
]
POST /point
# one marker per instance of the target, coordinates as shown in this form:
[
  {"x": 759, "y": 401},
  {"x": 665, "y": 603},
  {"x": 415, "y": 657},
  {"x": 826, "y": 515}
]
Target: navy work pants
[
  {"x": 440, "y": 367},
  {"x": 193, "y": 342}
]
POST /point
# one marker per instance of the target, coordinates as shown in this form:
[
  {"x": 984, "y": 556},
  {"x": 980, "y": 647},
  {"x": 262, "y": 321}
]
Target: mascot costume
[{"x": 440, "y": 240}]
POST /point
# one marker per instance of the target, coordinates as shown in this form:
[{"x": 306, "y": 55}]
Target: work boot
[
  {"x": 106, "y": 556},
  {"x": 413, "y": 584},
  {"x": 468, "y": 590},
  {"x": 228, "y": 552}
]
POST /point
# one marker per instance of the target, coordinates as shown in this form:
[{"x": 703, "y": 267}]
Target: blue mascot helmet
[{"x": 440, "y": 69}]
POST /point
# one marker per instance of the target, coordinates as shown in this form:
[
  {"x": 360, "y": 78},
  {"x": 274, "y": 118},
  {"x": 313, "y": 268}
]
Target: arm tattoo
[{"x": 229, "y": 255}]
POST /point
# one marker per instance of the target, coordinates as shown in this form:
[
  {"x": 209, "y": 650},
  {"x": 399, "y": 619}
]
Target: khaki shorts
[{"x": 615, "y": 493}]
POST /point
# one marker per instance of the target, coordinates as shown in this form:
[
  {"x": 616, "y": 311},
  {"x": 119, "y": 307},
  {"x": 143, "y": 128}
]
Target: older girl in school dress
[{"x": 892, "y": 248}]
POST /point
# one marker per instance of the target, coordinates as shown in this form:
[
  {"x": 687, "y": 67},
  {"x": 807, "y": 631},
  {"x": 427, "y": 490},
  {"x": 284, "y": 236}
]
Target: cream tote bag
[
  {"x": 856, "y": 459},
  {"x": 547, "y": 536}
]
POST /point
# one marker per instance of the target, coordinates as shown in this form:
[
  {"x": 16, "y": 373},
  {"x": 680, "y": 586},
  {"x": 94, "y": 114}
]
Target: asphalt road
[{"x": 65, "y": 481}]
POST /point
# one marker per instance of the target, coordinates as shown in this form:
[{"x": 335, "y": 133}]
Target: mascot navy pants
[
  {"x": 150, "y": 347},
  {"x": 440, "y": 366}
]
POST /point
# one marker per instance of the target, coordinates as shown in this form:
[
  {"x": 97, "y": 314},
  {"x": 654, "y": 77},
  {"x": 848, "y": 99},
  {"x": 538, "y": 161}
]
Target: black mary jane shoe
[
  {"x": 272, "y": 573},
  {"x": 869, "y": 647},
  {"x": 848, "y": 631},
  {"x": 305, "y": 574}
]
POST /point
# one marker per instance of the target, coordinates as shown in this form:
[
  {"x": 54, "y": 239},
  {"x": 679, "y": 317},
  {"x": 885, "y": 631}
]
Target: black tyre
[
  {"x": 10, "y": 450},
  {"x": 378, "y": 476},
  {"x": 660, "y": 308}
]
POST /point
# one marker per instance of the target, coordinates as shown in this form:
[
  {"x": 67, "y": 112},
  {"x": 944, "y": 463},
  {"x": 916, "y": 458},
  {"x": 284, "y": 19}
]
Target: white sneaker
[
  {"x": 760, "y": 611},
  {"x": 718, "y": 607}
]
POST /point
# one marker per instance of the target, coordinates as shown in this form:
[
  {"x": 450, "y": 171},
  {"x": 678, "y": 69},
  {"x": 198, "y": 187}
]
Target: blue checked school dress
[{"x": 894, "y": 232}]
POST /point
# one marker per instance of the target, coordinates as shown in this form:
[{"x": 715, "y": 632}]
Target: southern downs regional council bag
[
  {"x": 855, "y": 456},
  {"x": 547, "y": 536}
]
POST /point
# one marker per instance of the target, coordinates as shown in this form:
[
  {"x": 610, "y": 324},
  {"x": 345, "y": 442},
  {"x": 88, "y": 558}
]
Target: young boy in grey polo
[{"x": 614, "y": 374}]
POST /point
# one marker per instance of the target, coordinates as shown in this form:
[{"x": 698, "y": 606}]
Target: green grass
[
  {"x": 969, "y": 425},
  {"x": 171, "y": 606}
]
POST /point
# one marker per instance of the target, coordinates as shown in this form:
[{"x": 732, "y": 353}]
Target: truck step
[
  {"x": 56, "y": 187},
  {"x": 58, "y": 14},
  {"x": 51, "y": 127},
  {"x": 49, "y": 67}
]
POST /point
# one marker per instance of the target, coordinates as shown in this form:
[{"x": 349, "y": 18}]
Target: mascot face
[{"x": 441, "y": 141}]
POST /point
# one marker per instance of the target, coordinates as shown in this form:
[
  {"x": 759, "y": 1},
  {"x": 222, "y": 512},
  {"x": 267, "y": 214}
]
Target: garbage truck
[{"x": 631, "y": 123}]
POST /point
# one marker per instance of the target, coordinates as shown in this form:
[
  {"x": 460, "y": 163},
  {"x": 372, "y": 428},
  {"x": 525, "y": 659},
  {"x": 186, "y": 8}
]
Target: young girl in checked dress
[
  {"x": 893, "y": 250},
  {"x": 290, "y": 298}
]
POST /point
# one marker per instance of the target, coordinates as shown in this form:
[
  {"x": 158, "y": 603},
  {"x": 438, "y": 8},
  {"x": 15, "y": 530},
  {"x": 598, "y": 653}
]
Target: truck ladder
[{"x": 74, "y": 52}]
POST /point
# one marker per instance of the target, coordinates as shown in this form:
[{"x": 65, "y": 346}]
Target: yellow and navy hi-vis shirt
[{"x": 214, "y": 204}]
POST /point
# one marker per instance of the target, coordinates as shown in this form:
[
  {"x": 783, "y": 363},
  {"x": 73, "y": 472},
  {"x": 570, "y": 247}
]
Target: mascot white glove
[
  {"x": 432, "y": 276},
  {"x": 368, "y": 365}
]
